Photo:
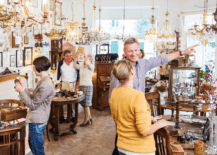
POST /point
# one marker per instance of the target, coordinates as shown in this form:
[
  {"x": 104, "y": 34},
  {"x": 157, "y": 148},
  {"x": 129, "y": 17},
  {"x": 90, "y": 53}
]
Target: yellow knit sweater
[{"x": 132, "y": 116}]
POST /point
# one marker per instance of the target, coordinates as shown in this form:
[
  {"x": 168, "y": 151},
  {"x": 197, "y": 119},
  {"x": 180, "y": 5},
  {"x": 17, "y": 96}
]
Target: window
[
  {"x": 113, "y": 23},
  {"x": 134, "y": 28},
  {"x": 114, "y": 47}
]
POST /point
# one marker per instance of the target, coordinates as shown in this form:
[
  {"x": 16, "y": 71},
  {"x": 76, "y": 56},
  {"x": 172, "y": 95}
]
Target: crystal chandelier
[
  {"x": 87, "y": 35},
  {"x": 152, "y": 33},
  {"x": 71, "y": 28},
  {"x": 100, "y": 35},
  {"x": 84, "y": 38},
  {"x": 203, "y": 32},
  {"x": 167, "y": 33}
]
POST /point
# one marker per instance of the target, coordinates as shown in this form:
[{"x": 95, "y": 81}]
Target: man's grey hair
[
  {"x": 67, "y": 51},
  {"x": 130, "y": 41}
]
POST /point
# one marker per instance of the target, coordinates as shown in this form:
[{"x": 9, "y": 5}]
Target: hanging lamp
[{"x": 152, "y": 33}]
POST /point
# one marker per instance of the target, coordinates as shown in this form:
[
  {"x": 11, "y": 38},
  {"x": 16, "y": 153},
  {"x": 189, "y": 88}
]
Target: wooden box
[
  {"x": 12, "y": 113},
  {"x": 177, "y": 149}
]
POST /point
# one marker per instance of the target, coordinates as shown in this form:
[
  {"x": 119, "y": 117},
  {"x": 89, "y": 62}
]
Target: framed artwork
[
  {"x": 58, "y": 13},
  {"x": 15, "y": 41},
  {"x": 103, "y": 49},
  {"x": 34, "y": 3},
  {"x": 1, "y": 59},
  {"x": 52, "y": 5},
  {"x": 80, "y": 57},
  {"x": 26, "y": 39},
  {"x": 12, "y": 61},
  {"x": 19, "y": 58},
  {"x": 27, "y": 56}
]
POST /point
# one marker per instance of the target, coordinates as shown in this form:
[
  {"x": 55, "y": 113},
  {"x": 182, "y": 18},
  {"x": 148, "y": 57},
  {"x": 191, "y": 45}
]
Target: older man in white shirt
[{"x": 66, "y": 71}]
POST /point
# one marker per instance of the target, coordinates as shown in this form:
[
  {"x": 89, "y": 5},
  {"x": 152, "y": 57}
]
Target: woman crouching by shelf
[
  {"x": 39, "y": 104},
  {"x": 86, "y": 85},
  {"x": 132, "y": 114}
]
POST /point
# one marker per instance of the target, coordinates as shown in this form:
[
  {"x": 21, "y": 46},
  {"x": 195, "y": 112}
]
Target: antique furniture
[
  {"x": 56, "y": 52},
  {"x": 54, "y": 115},
  {"x": 12, "y": 110},
  {"x": 188, "y": 148},
  {"x": 182, "y": 76},
  {"x": 162, "y": 142},
  {"x": 153, "y": 100},
  {"x": 101, "y": 83},
  {"x": 12, "y": 135}
]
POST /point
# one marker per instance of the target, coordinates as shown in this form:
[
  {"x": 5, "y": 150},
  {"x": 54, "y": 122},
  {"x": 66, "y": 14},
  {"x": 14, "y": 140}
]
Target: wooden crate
[
  {"x": 12, "y": 113},
  {"x": 177, "y": 149}
]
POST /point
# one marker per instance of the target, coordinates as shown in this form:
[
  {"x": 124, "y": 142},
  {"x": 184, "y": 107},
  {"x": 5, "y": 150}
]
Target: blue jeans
[{"x": 36, "y": 138}]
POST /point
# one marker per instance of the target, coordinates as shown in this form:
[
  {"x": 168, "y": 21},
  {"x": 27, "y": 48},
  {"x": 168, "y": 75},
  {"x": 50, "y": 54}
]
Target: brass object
[
  {"x": 198, "y": 147},
  {"x": 54, "y": 34},
  {"x": 166, "y": 23}
]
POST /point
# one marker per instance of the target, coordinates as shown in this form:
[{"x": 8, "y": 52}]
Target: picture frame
[
  {"x": 15, "y": 41},
  {"x": 80, "y": 57},
  {"x": 27, "y": 56},
  {"x": 19, "y": 57},
  {"x": 52, "y": 5},
  {"x": 34, "y": 3},
  {"x": 103, "y": 49},
  {"x": 1, "y": 59},
  {"x": 26, "y": 39},
  {"x": 12, "y": 60},
  {"x": 58, "y": 13}
]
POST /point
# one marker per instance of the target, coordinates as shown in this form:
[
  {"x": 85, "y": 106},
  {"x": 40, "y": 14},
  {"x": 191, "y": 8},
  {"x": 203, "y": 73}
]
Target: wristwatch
[{"x": 180, "y": 52}]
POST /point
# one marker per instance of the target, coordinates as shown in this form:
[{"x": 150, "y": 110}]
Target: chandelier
[
  {"x": 203, "y": 32},
  {"x": 71, "y": 28},
  {"x": 167, "y": 33},
  {"x": 100, "y": 36},
  {"x": 87, "y": 35},
  {"x": 152, "y": 33}
]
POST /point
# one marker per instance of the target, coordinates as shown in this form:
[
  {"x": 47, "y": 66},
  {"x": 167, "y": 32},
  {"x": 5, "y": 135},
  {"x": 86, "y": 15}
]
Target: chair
[
  {"x": 162, "y": 142},
  {"x": 153, "y": 100}
]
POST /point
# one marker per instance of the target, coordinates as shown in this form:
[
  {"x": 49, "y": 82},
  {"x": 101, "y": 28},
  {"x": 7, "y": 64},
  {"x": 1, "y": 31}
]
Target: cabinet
[
  {"x": 56, "y": 52},
  {"x": 184, "y": 81},
  {"x": 101, "y": 81}
]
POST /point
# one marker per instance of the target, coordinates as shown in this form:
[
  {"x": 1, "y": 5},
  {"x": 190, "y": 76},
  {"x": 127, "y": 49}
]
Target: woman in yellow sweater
[{"x": 132, "y": 114}]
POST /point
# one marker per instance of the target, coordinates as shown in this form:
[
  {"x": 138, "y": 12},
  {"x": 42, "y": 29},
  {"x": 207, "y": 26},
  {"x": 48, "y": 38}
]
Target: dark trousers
[{"x": 115, "y": 152}]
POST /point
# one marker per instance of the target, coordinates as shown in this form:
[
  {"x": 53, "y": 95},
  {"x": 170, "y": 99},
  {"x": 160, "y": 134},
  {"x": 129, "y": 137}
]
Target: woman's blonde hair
[
  {"x": 121, "y": 70},
  {"x": 91, "y": 61}
]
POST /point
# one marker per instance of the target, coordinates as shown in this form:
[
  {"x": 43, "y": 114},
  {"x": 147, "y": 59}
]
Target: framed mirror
[{"x": 58, "y": 13}]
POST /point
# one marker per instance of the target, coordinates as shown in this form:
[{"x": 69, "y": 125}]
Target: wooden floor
[{"x": 96, "y": 139}]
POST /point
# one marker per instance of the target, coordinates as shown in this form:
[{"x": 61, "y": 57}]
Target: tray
[
  {"x": 189, "y": 119},
  {"x": 194, "y": 135}
]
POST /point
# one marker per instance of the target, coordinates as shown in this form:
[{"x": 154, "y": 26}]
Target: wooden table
[
  {"x": 12, "y": 135},
  {"x": 54, "y": 115},
  {"x": 186, "y": 127}
]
